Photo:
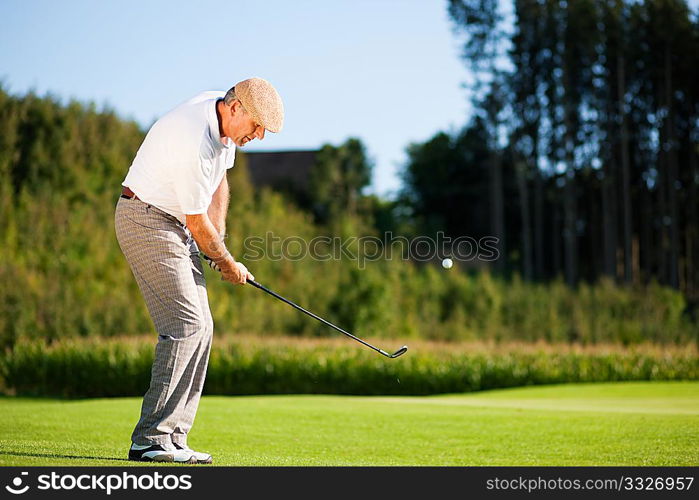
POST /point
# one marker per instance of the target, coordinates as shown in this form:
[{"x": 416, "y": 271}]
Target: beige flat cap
[{"x": 261, "y": 100}]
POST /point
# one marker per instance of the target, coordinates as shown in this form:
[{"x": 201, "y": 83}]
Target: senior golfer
[{"x": 173, "y": 204}]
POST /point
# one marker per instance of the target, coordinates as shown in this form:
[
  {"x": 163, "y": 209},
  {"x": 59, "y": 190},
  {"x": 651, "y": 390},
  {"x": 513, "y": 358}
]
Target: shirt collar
[{"x": 213, "y": 128}]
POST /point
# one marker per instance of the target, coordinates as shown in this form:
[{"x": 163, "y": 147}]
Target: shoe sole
[{"x": 166, "y": 458}]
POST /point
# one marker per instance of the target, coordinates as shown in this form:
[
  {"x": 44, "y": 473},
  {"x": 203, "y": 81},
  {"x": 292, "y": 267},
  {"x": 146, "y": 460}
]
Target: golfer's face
[{"x": 246, "y": 129}]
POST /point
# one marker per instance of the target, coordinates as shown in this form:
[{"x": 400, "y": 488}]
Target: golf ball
[{"x": 447, "y": 263}]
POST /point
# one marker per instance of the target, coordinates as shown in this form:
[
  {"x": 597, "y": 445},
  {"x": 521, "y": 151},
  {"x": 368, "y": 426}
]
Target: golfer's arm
[
  {"x": 208, "y": 239},
  {"x": 219, "y": 206}
]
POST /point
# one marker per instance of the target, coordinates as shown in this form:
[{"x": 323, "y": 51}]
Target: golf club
[{"x": 399, "y": 352}]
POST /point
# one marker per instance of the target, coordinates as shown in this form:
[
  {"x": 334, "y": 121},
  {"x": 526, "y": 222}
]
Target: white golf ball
[{"x": 447, "y": 263}]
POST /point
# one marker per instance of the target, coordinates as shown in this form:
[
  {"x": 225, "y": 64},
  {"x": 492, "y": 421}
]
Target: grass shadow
[{"x": 57, "y": 455}]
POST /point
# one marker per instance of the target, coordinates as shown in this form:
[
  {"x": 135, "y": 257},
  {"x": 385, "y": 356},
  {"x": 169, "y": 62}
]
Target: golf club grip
[{"x": 265, "y": 289}]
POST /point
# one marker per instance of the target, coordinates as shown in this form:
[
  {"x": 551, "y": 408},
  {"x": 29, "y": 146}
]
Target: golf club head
[{"x": 400, "y": 352}]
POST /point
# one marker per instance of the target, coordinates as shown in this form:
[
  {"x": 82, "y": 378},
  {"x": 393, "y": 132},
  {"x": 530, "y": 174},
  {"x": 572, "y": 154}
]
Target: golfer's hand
[{"x": 237, "y": 274}]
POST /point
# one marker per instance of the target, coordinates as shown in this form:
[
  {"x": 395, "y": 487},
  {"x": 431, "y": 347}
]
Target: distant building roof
[{"x": 281, "y": 170}]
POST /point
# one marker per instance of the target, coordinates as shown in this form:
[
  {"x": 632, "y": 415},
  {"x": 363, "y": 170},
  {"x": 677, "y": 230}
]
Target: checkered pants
[{"x": 165, "y": 262}]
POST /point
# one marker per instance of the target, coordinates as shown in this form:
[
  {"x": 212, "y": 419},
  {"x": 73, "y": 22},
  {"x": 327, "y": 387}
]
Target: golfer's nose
[{"x": 260, "y": 132}]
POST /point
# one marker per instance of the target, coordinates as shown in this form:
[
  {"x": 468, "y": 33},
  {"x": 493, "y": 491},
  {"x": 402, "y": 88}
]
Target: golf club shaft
[{"x": 265, "y": 289}]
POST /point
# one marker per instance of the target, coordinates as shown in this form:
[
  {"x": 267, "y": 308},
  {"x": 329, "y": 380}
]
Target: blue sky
[{"x": 387, "y": 72}]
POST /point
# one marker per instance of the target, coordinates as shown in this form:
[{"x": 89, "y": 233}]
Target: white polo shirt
[{"x": 182, "y": 159}]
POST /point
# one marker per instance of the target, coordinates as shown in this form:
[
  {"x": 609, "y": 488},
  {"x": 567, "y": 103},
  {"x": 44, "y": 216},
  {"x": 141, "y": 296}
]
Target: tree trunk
[
  {"x": 609, "y": 182},
  {"x": 609, "y": 218},
  {"x": 497, "y": 209},
  {"x": 594, "y": 232},
  {"x": 570, "y": 230},
  {"x": 523, "y": 188},
  {"x": 661, "y": 213},
  {"x": 692, "y": 231},
  {"x": 646, "y": 226},
  {"x": 569, "y": 202},
  {"x": 538, "y": 223},
  {"x": 569, "y": 227},
  {"x": 672, "y": 171},
  {"x": 556, "y": 235},
  {"x": 625, "y": 170}
]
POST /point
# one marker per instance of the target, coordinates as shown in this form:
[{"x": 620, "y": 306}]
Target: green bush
[{"x": 121, "y": 367}]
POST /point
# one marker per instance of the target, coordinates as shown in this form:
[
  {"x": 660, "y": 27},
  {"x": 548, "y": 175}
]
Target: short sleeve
[{"x": 231, "y": 159}]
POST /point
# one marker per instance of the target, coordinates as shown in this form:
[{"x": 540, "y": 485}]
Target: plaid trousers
[{"x": 165, "y": 261}]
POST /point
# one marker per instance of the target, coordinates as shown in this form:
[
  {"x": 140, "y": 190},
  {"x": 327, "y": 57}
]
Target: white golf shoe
[
  {"x": 161, "y": 453},
  {"x": 201, "y": 458}
]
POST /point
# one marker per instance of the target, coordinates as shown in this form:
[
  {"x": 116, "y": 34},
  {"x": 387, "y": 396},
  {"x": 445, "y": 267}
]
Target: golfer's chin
[{"x": 241, "y": 142}]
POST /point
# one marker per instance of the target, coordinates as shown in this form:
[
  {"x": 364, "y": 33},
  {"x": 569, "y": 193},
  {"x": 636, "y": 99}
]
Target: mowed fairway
[{"x": 651, "y": 423}]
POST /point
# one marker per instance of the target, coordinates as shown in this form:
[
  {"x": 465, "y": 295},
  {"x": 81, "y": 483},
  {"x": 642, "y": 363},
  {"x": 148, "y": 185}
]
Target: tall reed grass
[{"x": 283, "y": 365}]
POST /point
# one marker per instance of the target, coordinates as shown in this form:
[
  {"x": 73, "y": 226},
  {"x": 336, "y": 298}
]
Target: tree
[
  {"x": 528, "y": 57},
  {"x": 446, "y": 182},
  {"x": 337, "y": 179},
  {"x": 481, "y": 22},
  {"x": 595, "y": 102}
]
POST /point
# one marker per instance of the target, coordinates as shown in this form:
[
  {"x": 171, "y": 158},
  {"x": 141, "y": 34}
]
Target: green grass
[{"x": 632, "y": 423}]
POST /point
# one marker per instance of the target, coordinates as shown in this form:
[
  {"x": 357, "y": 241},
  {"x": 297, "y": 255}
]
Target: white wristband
[{"x": 221, "y": 257}]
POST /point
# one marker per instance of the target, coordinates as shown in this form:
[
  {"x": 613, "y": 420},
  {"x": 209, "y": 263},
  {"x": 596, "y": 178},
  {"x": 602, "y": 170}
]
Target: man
[{"x": 173, "y": 203}]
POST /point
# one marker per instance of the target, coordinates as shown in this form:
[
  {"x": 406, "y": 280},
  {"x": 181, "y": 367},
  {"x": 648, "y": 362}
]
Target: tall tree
[
  {"x": 480, "y": 21},
  {"x": 598, "y": 105},
  {"x": 526, "y": 83}
]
